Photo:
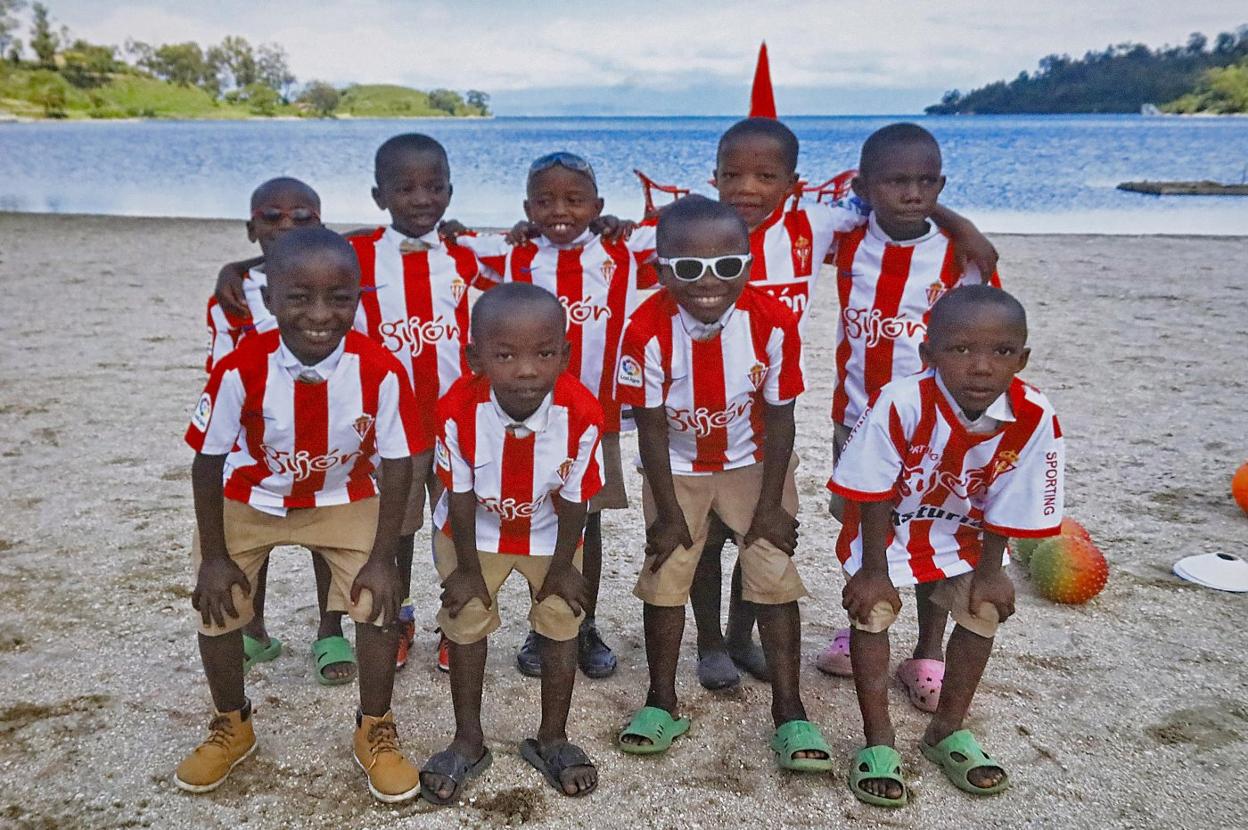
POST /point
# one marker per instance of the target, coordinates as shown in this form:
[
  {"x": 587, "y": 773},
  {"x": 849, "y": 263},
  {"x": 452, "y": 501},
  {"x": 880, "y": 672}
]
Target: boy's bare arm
[
  {"x": 771, "y": 521},
  {"x": 872, "y": 584},
  {"x": 970, "y": 244},
  {"x": 669, "y": 530},
  {"x": 991, "y": 583},
  {"x": 213, "y": 597},
  {"x": 229, "y": 288},
  {"x": 562, "y": 578},
  {"x": 380, "y": 574},
  {"x": 466, "y": 581}
]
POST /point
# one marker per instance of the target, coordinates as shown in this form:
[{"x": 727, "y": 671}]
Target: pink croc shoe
[
  {"x": 834, "y": 659},
  {"x": 922, "y": 680}
]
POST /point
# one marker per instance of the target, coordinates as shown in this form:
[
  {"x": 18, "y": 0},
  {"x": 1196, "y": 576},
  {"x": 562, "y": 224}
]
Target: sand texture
[{"x": 1131, "y": 711}]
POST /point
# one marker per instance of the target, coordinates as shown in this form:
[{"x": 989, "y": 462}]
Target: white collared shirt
[
  {"x": 318, "y": 373},
  {"x": 531, "y": 425},
  {"x": 997, "y": 413},
  {"x": 697, "y": 330}
]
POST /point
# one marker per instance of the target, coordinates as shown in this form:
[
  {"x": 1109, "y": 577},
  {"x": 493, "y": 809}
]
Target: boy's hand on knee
[
  {"x": 380, "y": 577},
  {"x": 568, "y": 583},
  {"x": 775, "y": 526},
  {"x": 664, "y": 536},
  {"x": 612, "y": 228},
  {"x": 864, "y": 590},
  {"x": 996, "y": 588},
  {"x": 460, "y": 588},
  {"x": 214, "y": 596},
  {"x": 522, "y": 232}
]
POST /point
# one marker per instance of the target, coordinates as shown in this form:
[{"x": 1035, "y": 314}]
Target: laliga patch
[
  {"x": 441, "y": 455},
  {"x": 203, "y": 412},
  {"x": 630, "y": 372}
]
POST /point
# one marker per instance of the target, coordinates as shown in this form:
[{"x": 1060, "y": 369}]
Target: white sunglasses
[{"x": 691, "y": 268}]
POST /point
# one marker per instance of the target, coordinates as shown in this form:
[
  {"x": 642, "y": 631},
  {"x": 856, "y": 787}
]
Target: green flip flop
[
  {"x": 877, "y": 762},
  {"x": 330, "y": 650},
  {"x": 794, "y": 736},
  {"x": 655, "y": 725},
  {"x": 957, "y": 755},
  {"x": 255, "y": 651}
]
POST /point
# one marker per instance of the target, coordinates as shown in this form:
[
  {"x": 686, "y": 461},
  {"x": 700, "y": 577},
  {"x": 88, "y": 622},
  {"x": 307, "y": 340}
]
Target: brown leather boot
[
  {"x": 391, "y": 777},
  {"x": 230, "y": 740}
]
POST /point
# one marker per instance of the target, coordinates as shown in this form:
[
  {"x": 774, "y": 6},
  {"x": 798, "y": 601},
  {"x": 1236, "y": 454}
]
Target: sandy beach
[{"x": 1131, "y": 711}]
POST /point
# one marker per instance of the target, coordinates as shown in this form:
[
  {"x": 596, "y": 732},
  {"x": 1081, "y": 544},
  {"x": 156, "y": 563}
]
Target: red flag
[{"x": 762, "y": 101}]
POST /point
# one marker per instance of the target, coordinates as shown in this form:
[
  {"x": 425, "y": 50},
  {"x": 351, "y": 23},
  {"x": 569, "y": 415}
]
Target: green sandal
[
  {"x": 879, "y": 762},
  {"x": 655, "y": 725},
  {"x": 330, "y": 650},
  {"x": 794, "y": 736},
  {"x": 255, "y": 651},
  {"x": 962, "y": 743}
]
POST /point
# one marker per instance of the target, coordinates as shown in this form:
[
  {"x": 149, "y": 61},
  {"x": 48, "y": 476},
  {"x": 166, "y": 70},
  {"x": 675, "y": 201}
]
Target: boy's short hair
[
  {"x": 566, "y": 160},
  {"x": 283, "y": 183},
  {"x": 948, "y": 309},
  {"x": 509, "y": 300},
  {"x": 769, "y": 127},
  {"x": 297, "y": 246},
  {"x": 880, "y": 142},
  {"x": 694, "y": 208},
  {"x": 393, "y": 147}
]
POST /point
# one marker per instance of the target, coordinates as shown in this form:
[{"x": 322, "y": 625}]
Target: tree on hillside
[
  {"x": 478, "y": 100},
  {"x": 273, "y": 69},
  {"x": 42, "y": 39},
  {"x": 233, "y": 62},
  {"x": 447, "y": 100},
  {"x": 9, "y": 24},
  {"x": 180, "y": 63},
  {"x": 322, "y": 98},
  {"x": 87, "y": 65}
]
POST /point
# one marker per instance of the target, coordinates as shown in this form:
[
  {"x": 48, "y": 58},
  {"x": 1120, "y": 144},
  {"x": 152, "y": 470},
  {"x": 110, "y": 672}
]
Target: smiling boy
[
  {"x": 712, "y": 368},
  {"x": 519, "y": 454},
  {"x": 288, "y": 435},
  {"x": 942, "y": 467}
]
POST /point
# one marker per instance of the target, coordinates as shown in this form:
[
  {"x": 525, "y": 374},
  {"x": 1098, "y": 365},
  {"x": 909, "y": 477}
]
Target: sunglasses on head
[
  {"x": 298, "y": 216},
  {"x": 691, "y": 268},
  {"x": 571, "y": 161}
]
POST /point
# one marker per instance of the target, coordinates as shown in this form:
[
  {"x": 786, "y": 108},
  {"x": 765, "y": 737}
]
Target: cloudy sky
[{"x": 594, "y": 57}]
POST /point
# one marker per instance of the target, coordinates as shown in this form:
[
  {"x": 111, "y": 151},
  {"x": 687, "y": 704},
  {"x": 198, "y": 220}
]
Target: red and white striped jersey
[
  {"x": 789, "y": 247},
  {"x": 948, "y": 485},
  {"x": 599, "y": 285},
  {"x": 414, "y": 302},
  {"x": 712, "y": 390},
  {"x": 225, "y": 330},
  {"x": 513, "y": 478},
  {"x": 293, "y": 444}
]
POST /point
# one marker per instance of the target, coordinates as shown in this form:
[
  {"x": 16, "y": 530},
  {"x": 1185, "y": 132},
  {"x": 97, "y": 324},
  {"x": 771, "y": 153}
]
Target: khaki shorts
[
  {"x": 552, "y": 617},
  {"x": 343, "y": 534},
  {"x": 612, "y": 496},
  {"x": 836, "y": 502},
  {"x": 769, "y": 576},
  {"x": 414, "y": 515},
  {"x": 953, "y": 595}
]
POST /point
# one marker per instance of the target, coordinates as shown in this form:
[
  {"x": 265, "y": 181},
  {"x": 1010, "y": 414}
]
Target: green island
[
  {"x": 55, "y": 75},
  {"x": 1200, "y": 77}
]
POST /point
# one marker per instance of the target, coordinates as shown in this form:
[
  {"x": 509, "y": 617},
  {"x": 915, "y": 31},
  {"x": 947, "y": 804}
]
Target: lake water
[{"x": 1009, "y": 173}]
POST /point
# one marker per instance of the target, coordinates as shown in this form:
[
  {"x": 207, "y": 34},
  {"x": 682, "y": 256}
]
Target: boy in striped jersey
[
  {"x": 755, "y": 173},
  {"x": 597, "y": 279},
  {"x": 518, "y": 452},
  {"x": 712, "y": 369},
  {"x": 941, "y": 468},
  {"x": 889, "y": 273},
  {"x": 288, "y": 435}
]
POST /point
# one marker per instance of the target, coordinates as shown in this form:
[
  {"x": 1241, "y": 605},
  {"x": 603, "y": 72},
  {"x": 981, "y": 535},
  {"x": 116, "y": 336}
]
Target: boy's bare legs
[
  {"x": 467, "y": 679},
  {"x": 222, "y": 656},
  {"x": 256, "y": 629},
  {"x": 375, "y": 646},
  {"x": 932, "y": 621},
  {"x": 780, "y": 627},
  {"x": 739, "y": 633},
  {"x": 968, "y": 655},
  {"x": 559, "y": 659},
  {"x": 592, "y": 654},
  {"x": 331, "y": 621},
  {"x": 664, "y": 626},
  {"x": 704, "y": 596},
  {"x": 869, "y": 654}
]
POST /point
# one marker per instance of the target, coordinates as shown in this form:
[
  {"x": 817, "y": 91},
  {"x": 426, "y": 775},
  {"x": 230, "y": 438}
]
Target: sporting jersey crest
[
  {"x": 458, "y": 287},
  {"x": 802, "y": 253},
  {"x": 362, "y": 425},
  {"x": 758, "y": 373},
  {"x": 934, "y": 292},
  {"x": 565, "y": 469},
  {"x": 608, "y": 269}
]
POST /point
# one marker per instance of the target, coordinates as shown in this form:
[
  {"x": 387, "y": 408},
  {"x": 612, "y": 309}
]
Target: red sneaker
[
  {"x": 444, "y": 653},
  {"x": 406, "y": 634}
]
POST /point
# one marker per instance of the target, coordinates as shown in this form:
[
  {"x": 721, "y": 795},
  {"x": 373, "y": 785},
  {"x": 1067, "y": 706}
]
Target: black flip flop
[
  {"x": 455, "y": 767},
  {"x": 566, "y": 755}
]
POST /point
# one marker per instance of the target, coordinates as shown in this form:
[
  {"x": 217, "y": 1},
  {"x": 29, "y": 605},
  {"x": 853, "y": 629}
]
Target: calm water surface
[{"x": 1009, "y": 173}]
